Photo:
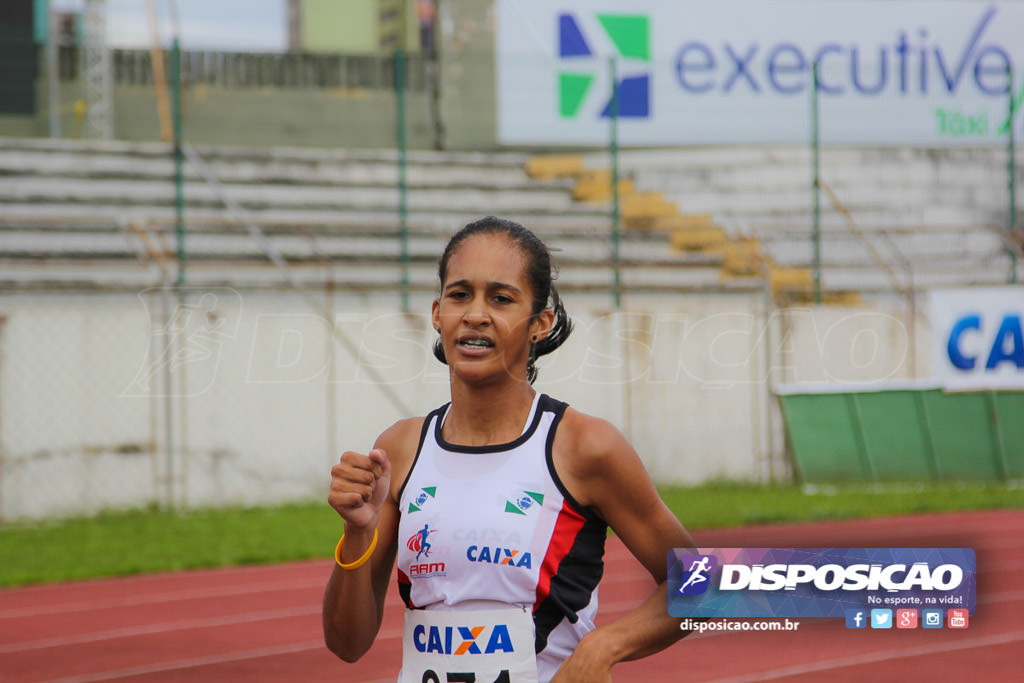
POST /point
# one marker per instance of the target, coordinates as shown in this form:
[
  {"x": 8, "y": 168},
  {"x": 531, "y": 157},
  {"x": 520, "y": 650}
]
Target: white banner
[
  {"x": 739, "y": 71},
  {"x": 977, "y": 337}
]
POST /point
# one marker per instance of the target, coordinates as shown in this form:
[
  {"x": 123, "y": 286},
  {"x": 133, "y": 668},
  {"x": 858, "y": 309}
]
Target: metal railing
[{"x": 134, "y": 67}]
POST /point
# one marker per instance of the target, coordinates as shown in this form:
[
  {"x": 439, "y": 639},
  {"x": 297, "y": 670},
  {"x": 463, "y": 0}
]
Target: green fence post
[
  {"x": 1011, "y": 167},
  {"x": 613, "y": 115},
  {"x": 999, "y": 458},
  {"x": 403, "y": 211},
  {"x": 179, "y": 181},
  {"x": 1011, "y": 146},
  {"x": 816, "y": 183}
]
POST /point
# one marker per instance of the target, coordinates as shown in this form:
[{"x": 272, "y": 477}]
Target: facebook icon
[{"x": 856, "y": 618}]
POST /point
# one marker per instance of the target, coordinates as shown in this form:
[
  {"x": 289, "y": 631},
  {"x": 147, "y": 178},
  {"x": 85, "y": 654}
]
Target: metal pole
[
  {"x": 53, "y": 71},
  {"x": 1011, "y": 170},
  {"x": 613, "y": 115},
  {"x": 168, "y": 395},
  {"x": 403, "y": 211},
  {"x": 179, "y": 183},
  {"x": 816, "y": 184},
  {"x": 1011, "y": 145}
]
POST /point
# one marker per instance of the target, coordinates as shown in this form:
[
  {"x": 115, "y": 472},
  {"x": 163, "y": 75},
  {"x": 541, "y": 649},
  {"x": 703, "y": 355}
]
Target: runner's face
[{"x": 484, "y": 311}]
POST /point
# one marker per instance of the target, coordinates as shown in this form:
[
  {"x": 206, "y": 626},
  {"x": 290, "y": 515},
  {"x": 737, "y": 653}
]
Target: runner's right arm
[{"x": 364, "y": 492}]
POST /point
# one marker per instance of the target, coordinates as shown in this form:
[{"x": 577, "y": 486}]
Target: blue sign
[{"x": 850, "y": 583}]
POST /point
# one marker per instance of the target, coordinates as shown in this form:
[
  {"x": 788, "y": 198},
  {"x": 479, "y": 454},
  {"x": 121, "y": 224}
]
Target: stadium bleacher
[{"x": 102, "y": 215}]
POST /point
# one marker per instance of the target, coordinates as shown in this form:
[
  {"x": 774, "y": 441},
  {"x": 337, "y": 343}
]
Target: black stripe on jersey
[
  {"x": 492, "y": 448},
  {"x": 573, "y": 585},
  {"x": 405, "y": 590},
  {"x": 557, "y": 407},
  {"x": 579, "y": 572}
]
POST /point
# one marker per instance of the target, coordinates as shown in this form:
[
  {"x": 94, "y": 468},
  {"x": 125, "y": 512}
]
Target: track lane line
[
  {"x": 192, "y": 663},
  {"x": 874, "y": 657}
]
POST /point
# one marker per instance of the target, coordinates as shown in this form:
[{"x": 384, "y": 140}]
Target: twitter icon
[{"x": 881, "y": 618}]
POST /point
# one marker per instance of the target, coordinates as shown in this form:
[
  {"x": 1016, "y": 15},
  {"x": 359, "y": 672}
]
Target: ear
[
  {"x": 435, "y": 315},
  {"x": 540, "y": 326}
]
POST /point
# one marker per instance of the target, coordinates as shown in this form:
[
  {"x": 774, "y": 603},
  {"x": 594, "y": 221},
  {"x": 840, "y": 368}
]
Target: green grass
[
  {"x": 724, "y": 505},
  {"x": 134, "y": 542}
]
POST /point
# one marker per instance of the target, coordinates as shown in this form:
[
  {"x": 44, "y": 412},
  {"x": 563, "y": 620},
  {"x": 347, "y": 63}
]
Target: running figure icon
[
  {"x": 698, "y": 573},
  {"x": 419, "y": 543}
]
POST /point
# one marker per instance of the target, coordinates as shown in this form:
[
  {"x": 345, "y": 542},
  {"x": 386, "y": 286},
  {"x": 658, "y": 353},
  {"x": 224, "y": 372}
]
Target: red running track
[{"x": 263, "y": 623}]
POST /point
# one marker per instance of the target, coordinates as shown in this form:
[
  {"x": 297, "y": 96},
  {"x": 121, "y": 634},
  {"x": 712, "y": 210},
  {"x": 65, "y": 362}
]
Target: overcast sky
[{"x": 219, "y": 24}]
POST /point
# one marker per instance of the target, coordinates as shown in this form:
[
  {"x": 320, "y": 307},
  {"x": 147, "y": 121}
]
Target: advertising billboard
[
  {"x": 740, "y": 71},
  {"x": 977, "y": 337}
]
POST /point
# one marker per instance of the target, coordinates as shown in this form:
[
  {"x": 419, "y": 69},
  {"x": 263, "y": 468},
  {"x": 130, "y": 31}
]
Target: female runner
[{"x": 497, "y": 504}]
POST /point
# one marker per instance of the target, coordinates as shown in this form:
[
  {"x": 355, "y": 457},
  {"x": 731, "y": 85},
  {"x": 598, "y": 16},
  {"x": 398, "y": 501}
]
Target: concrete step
[
  {"x": 583, "y": 219},
  {"x": 375, "y": 172},
  {"x": 145, "y": 193},
  {"x": 230, "y": 153}
]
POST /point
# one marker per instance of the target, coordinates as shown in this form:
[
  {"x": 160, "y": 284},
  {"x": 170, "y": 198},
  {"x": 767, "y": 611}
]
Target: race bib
[{"x": 491, "y": 646}]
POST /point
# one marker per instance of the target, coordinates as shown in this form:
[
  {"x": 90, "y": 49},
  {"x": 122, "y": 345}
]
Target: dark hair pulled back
[{"x": 538, "y": 272}]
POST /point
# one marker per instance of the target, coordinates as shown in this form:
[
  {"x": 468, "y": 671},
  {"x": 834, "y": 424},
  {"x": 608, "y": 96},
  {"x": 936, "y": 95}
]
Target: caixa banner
[
  {"x": 817, "y": 582},
  {"x": 978, "y": 337},
  {"x": 740, "y": 71}
]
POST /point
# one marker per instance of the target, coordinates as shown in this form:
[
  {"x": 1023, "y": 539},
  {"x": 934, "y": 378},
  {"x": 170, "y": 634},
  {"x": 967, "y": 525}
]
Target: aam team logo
[
  {"x": 425, "y": 495},
  {"x": 524, "y": 502},
  {"x": 631, "y": 36},
  {"x": 697, "y": 573}
]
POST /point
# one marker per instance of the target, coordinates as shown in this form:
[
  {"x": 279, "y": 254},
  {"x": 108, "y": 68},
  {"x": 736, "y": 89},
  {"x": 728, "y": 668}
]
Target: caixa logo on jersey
[
  {"x": 462, "y": 640},
  {"x": 510, "y": 557},
  {"x": 816, "y": 582}
]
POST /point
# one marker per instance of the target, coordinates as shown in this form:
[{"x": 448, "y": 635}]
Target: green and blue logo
[
  {"x": 631, "y": 36},
  {"x": 421, "y": 499},
  {"x": 521, "y": 503}
]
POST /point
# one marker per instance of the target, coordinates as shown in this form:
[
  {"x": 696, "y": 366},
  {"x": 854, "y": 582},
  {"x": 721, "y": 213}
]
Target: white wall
[{"x": 260, "y": 404}]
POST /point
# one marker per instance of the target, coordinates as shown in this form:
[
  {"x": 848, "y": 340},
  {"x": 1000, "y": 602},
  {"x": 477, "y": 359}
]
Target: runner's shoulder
[
  {"x": 590, "y": 440},
  {"x": 399, "y": 442}
]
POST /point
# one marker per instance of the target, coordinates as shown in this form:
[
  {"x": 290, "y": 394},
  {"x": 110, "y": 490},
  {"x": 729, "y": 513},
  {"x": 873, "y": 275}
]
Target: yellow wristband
[{"x": 361, "y": 561}]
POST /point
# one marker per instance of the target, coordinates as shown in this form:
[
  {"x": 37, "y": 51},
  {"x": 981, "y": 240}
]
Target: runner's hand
[{"x": 359, "y": 487}]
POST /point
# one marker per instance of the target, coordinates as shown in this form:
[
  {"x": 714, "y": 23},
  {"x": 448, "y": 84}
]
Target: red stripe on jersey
[{"x": 567, "y": 526}]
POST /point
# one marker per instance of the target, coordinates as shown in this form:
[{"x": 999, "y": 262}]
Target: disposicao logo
[
  {"x": 631, "y": 36},
  {"x": 818, "y": 582},
  {"x": 696, "y": 579}
]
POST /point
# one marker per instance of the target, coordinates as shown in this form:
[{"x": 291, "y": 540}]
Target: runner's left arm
[{"x": 611, "y": 480}]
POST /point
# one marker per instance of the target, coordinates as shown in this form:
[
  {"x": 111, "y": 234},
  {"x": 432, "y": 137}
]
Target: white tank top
[{"x": 493, "y": 526}]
